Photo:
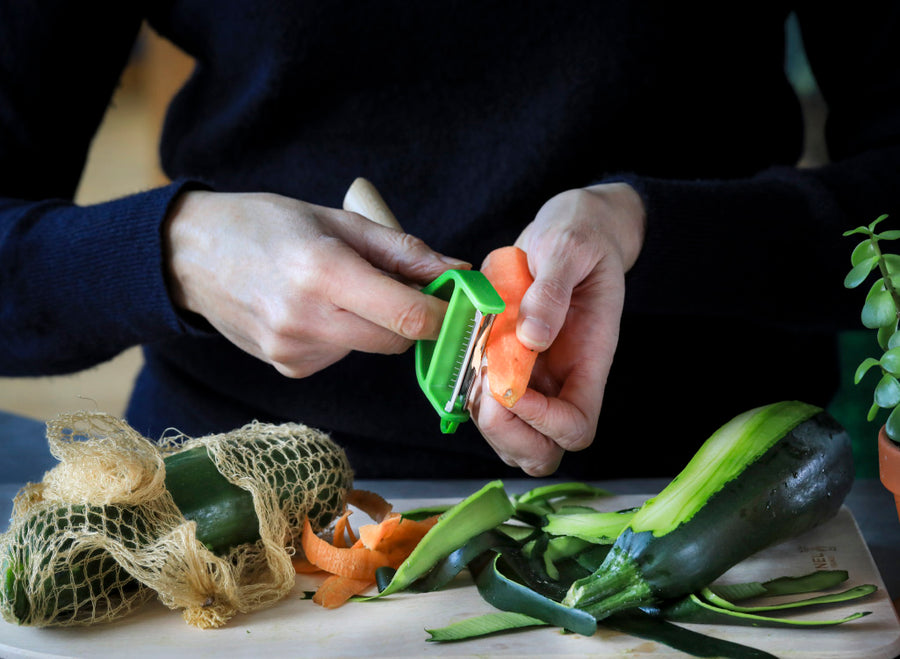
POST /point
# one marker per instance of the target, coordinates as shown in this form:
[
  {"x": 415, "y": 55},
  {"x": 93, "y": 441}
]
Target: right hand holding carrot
[
  {"x": 297, "y": 285},
  {"x": 579, "y": 247}
]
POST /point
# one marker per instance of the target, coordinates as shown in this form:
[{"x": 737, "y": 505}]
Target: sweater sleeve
[
  {"x": 78, "y": 284},
  {"x": 769, "y": 247}
]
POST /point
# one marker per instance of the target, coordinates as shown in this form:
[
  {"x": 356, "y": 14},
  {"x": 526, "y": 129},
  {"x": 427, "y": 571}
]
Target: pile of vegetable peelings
[{"x": 544, "y": 558}]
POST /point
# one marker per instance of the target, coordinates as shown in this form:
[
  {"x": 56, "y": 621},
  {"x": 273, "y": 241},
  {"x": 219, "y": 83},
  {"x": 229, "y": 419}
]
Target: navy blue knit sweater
[{"x": 468, "y": 116}]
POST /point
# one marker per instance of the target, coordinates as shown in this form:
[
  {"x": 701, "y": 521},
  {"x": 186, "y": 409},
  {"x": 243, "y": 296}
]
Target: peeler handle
[{"x": 362, "y": 197}]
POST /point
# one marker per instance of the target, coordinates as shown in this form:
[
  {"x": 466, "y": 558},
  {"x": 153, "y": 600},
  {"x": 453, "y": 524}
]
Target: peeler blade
[{"x": 470, "y": 360}]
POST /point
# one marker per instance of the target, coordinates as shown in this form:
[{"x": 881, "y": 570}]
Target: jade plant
[{"x": 880, "y": 313}]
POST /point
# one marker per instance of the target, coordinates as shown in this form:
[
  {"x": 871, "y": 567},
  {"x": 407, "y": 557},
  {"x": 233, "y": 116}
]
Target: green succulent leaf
[
  {"x": 859, "y": 272},
  {"x": 873, "y": 412},
  {"x": 892, "y": 263},
  {"x": 893, "y": 234},
  {"x": 879, "y": 309},
  {"x": 862, "y": 230},
  {"x": 892, "y": 425},
  {"x": 863, "y": 368},
  {"x": 887, "y": 391},
  {"x": 894, "y": 340},
  {"x": 863, "y": 251},
  {"x": 885, "y": 335},
  {"x": 890, "y": 361},
  {"x": 878, "y": 220}
]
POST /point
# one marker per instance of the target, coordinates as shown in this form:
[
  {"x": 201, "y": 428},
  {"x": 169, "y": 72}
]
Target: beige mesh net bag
[{"x": 102, "y": 533}]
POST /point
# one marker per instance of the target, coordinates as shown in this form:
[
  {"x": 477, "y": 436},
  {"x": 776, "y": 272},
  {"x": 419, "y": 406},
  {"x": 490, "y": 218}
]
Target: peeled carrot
[{"x": 508, "y": 362}]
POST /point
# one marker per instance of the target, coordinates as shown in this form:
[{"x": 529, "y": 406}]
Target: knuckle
[
  {"x": 413, "y": 321},
  {"x": 542, "y": 466},
  {"x": 578, "y": 439},
  {"x": 281, "y": 326},
  {"x": 277, "y": 353},
  {"x": 410, "y": 243},
  {"x": 279, "y": 342},
  {"x": 550, "y": 293},
  {"x": 408, "y": 254}
]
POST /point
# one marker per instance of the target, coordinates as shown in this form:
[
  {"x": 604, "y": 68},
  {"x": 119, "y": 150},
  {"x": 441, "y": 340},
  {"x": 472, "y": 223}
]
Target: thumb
[{"x": 545, "y": 304}]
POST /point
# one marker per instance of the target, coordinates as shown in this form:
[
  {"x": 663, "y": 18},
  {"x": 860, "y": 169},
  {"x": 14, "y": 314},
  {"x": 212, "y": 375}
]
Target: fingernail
[
  {"x": 535, "y": 331},
  {"x": 455, "y": 263}
]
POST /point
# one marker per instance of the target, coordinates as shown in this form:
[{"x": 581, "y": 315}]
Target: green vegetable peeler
[{"x": 446, "y": 368}]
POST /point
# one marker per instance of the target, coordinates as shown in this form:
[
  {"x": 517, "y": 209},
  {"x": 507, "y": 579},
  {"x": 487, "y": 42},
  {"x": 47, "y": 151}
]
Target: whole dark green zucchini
[
  {"x": 224, "y": 514},
  {"x": 769, "y": 474}
]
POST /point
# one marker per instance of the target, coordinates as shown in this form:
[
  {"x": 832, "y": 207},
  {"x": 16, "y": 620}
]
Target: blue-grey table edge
[{"x": 27, "y": 458}]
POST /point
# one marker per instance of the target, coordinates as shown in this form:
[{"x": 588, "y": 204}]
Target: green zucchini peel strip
[
  {"x": 483, "y": 625},
  {"x": 695, "y": 609},
  {"x": 636, "y": 623},
  {"x": 479, "y": 512},
  {"x": 600, "y": 528},
  {"x": 508, "y": 595},
  {"x": 833, "y": 598},
  {"x": 820, "y": 580},
  {"x": 561, "y": 490}
]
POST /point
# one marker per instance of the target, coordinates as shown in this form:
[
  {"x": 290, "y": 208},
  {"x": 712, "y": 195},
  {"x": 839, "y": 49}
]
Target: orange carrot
[{"x": 508, "y": 362}]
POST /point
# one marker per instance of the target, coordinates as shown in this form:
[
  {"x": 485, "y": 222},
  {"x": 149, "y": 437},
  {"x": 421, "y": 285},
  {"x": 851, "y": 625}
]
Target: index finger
[{"x": 366, "y": 291}]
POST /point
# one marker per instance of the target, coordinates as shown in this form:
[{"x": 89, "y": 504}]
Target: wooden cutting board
[{"x": 395, "y": 626}]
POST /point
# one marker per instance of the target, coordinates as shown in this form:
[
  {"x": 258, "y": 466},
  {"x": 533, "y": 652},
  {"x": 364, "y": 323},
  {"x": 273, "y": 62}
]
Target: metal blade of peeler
[{"x": 470, "y": 359}]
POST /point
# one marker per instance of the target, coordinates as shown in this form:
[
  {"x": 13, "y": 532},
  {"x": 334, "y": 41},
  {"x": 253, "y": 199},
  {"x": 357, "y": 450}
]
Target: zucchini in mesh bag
[{"x": 209, "y": 527}]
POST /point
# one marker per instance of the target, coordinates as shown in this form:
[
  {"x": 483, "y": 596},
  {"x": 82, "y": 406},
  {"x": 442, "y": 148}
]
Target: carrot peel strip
[
  {"x": 373, "y": 535},
  {"x": 336, "y": 590},
  {"x": 343, "y": 530},
  {"x": 353, "y": 562},
  {"x": 352, "y": 569},
  {"x": 371, "y": 503}
]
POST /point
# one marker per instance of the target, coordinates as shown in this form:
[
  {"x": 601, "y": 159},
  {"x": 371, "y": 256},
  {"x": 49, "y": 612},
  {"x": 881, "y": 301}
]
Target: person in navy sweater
[{"x": 643, "y": 154}]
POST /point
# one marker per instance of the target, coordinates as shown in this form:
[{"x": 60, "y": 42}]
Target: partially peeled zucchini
[{"x": 767, "y": 475}]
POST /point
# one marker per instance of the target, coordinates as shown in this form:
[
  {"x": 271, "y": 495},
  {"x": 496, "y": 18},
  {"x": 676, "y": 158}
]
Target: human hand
[
  {"x": 579, "y": 246},
  {"x": 298, "y": 285}
]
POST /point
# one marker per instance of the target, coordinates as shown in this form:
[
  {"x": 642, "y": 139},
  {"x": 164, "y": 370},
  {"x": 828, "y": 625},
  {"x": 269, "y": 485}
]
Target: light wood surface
[{"x": 395, "y": 626}]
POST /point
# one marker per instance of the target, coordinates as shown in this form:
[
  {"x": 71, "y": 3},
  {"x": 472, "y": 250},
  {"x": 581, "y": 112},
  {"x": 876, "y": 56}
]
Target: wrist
[
  {"x": 180, "y": 239},
  {"x": 623, "y": 209}
]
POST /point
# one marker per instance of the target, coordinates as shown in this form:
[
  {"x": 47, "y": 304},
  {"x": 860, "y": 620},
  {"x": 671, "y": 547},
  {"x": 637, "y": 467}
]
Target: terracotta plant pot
[{"x": 889, "y": 465}]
